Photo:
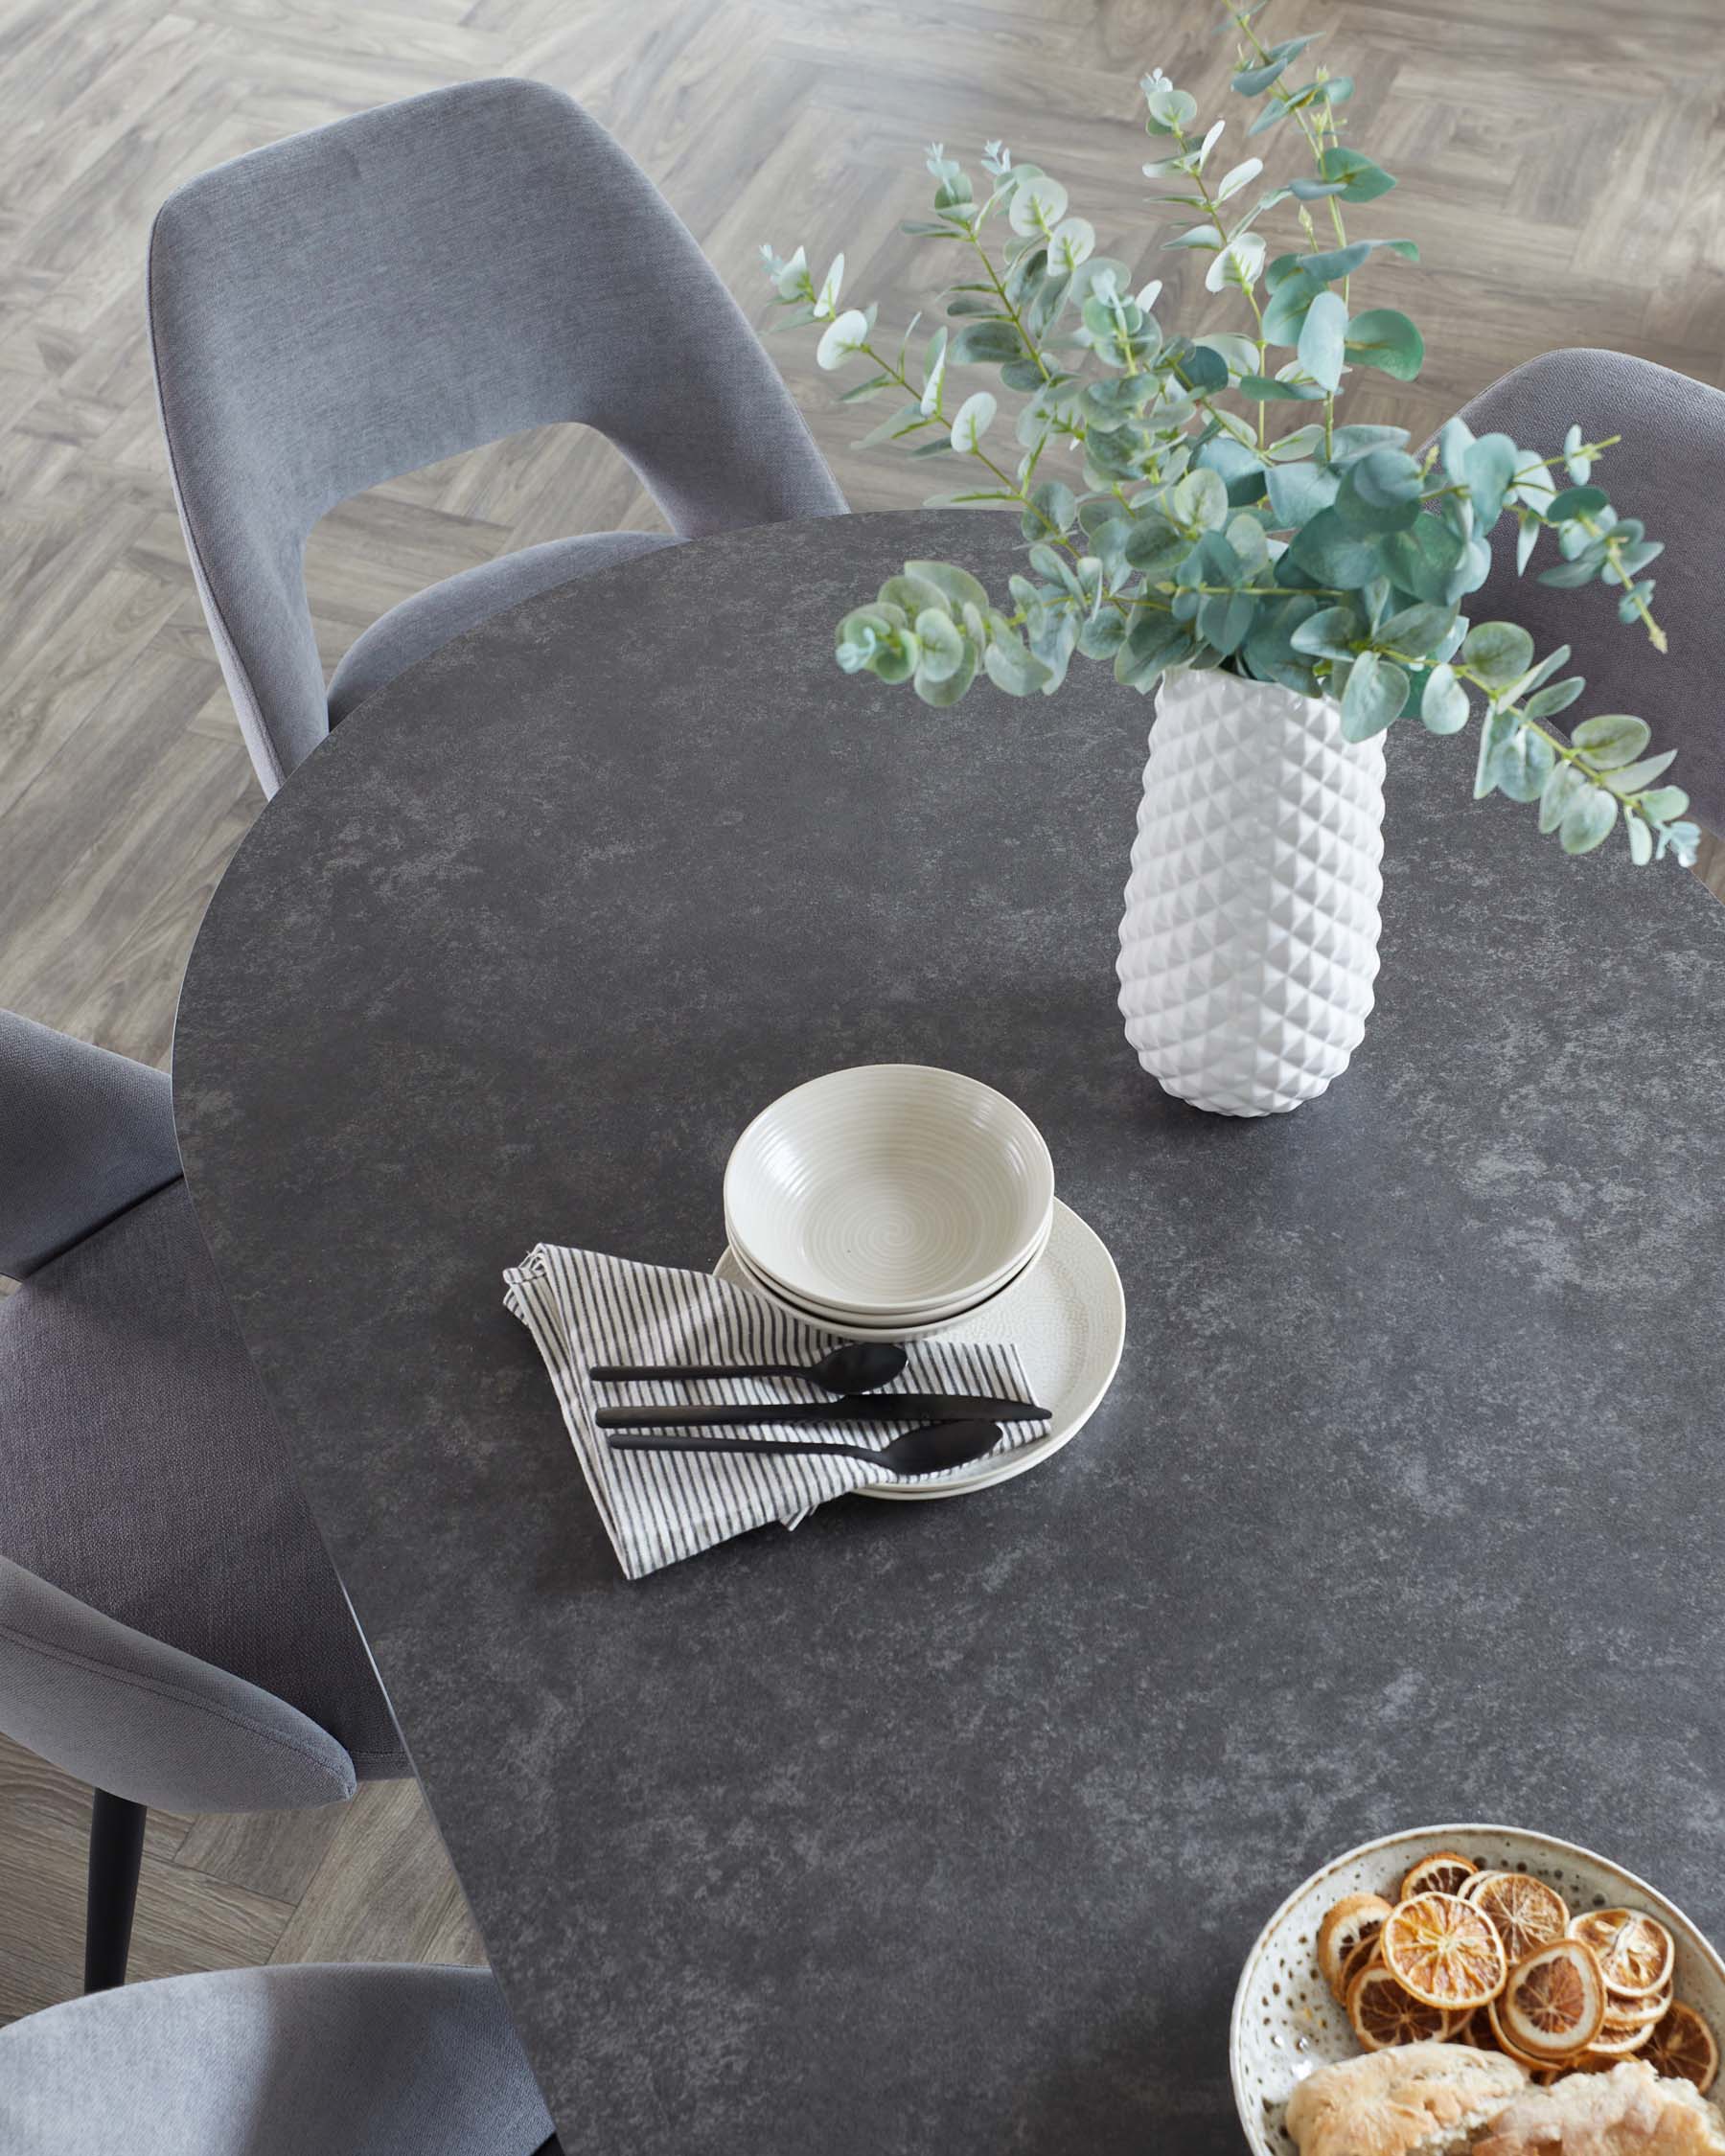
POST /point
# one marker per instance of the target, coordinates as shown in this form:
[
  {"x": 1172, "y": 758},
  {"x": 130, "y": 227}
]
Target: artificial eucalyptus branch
[{"x": 1327, "y": 556}]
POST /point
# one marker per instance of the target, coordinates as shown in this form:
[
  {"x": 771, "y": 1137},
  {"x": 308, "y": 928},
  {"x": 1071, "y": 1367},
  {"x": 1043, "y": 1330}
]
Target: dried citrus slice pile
[{"x": 1494, "y": 1959}]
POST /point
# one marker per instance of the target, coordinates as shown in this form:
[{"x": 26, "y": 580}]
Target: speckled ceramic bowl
[{"x": 1286, "y": 2025}]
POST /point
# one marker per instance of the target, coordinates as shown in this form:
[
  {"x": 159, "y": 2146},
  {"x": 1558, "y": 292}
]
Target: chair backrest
[
  {"x": 354, "y": 303},
  {"x": 83, "y": 1134},
  {"x": 1668, "y": 467},
  {"x": 358, "y": 2060}
]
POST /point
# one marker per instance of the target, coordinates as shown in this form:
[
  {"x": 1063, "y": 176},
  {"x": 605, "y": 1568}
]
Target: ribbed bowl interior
[{"x": 889, "y": 1189}]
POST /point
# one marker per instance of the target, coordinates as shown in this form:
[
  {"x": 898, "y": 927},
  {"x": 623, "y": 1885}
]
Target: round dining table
[{"x": 945, "y": 1827}]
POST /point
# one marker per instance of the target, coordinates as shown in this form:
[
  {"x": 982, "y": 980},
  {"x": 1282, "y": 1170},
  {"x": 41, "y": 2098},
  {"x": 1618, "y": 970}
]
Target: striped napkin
[{"x": 582, "y": 1307}]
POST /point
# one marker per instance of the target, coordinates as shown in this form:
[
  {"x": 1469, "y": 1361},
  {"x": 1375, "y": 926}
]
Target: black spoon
[
  {"x": 918, "y": 1452},
  {"x": 859, "y": 1367}
]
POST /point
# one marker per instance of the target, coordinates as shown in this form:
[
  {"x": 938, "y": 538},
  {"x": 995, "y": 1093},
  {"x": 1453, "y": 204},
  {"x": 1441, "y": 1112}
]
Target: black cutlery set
[{"x": 959, "y": 1428}]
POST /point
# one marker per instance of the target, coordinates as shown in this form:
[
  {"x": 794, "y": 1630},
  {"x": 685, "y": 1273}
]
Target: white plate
[
  {"x": 906, "y": 1328},
  {"x": 1066, "y": 1318},
  {"x": 1286, "y": 2025},
  {"x": 889, "y": 1189}
]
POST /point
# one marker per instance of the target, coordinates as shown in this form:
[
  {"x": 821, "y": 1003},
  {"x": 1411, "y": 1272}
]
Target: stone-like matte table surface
[{"x": 945, "y": 1827}]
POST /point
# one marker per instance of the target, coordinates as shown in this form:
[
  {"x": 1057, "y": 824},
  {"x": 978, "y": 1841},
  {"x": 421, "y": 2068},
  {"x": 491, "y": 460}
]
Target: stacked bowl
[{"x": 890, "y": 1200}]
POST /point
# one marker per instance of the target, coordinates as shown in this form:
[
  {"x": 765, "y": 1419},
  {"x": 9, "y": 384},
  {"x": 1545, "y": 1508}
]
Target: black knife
[{"x": 850, "y": 1407}]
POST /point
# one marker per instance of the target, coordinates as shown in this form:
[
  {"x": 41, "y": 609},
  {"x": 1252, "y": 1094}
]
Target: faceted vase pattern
[{"x": 1249, "y": 945}]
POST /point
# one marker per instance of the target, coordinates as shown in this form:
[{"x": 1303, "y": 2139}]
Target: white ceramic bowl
[
  {"x": 888, "y": 1190},
  {"x": 1286, "y": 2025},
  {"x": 920, "y": 1312},
  {"x": 889, "y": 1329}
]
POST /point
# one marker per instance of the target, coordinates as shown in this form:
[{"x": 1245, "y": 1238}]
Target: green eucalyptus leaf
[
  {"x": 1262, "y": 390},
  {"x": 1058, "y": 504},
  {"x": 1038, "y": 205},
  {"x": 1208, "y": 237},
  {"x": 1443, "y": 701},
  {"x": 1200, "y": 499},
  {"x": 1663, "y": 802},
  {"x": 1297, "y": 491},
  {"x": 1290, "y": 297},
  {"x": 1321, "y": 338},
  {"x": 1102, "y": 636},
  {"x": 1377, "y": 689},
  {"x": 944, "y": 689},
  {"x": 1332, "y": 633},
  {"x": 1565, "y": 575},
  {"x": 987, "y": 341},
  {"x": 1499, "y": 652},
  {"x": 1172, "y": 108},
  {"x": 1384, "y": 338},
  {"x": 1631, "y": 778},
  {"x": 1490, "y": 469},
  {"x": 905, "y": 421},
  {"x": 972, "y": 421},
  {"x": 1011, "y": 667},
  {"x": 942, "y": 644},
  {"x": 953, "y": 582},
  {"x": 1587, "y": 820},
  {"x": 1251, "y": 80},
  {"x": 915, "y": 596},
  {"x": 1544, "y": 704},
  {"x": 843, "y": 338},
  {"x": 1611, "y": 739},
  {"x": 1152, "y": 645},
  {"x": 1327, "y": 550},
  {"x": 1154, "y": 546},
  {"x": 1416, "y": 629},
  {"x": 1225, "y": 620},
  {"x": 1202, "y": 368},
  {"x": 1349, "y": 443},
  {"x": 1523, "y": 764},
  {"x": 1640, "y": 839},
  {"x": 1362, "y": 181},
  {"x": 1577, "y": 501},
  {"x": 1560, "y": 789},
  {"x": 1242, "y": 175}
]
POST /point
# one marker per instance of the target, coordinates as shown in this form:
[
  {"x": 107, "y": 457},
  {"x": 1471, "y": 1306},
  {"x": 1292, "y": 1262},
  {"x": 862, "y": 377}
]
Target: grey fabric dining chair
[
  {"x": 1669, "y": 469},
  {"x": 354, "y": 303},
  {"x": 362, "y": 2060},
  {"x": 171, "y": 1629}
]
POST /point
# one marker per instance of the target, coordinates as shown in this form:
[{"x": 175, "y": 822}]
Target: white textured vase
[{"x": 1250, "y": 942}]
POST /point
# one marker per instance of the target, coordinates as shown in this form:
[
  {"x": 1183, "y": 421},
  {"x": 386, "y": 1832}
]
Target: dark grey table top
[{"x": 945, "y": 1827}]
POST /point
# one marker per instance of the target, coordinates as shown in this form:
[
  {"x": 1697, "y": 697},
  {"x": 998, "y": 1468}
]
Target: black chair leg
[{"x": 116, "y": 1851}]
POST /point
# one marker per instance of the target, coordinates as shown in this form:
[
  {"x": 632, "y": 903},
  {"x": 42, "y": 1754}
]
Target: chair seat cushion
[
  {"x": 423, "y": 624},
  {"x": 142, "y": 1470},
  {"x": 352, "y": 2062}
]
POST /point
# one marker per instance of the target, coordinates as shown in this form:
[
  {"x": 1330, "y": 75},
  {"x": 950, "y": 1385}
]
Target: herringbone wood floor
[{"x": 1563, "y": 168}]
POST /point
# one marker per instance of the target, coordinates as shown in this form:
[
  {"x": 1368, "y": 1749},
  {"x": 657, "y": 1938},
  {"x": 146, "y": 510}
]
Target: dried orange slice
[
  {"x": 1638, "y": 2013},
  {"x": 1345, "y": 1924},
  {"x": 1504, "y": 2043},
  {"x": 1683, "y": 2045},
  {"x": 1443, "y": 1951},
  {"x": 1385, "y": 2014},
  {"x": 1526, "y": 1912},
  {"x": 1635, "y": 1952},
  {"x": 1443, "y": 1872},
  {"x": 1617, "y": 2040},
  {"x": 1554, "y": 2003},
  {"x": 1365, "y": 1956}
]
